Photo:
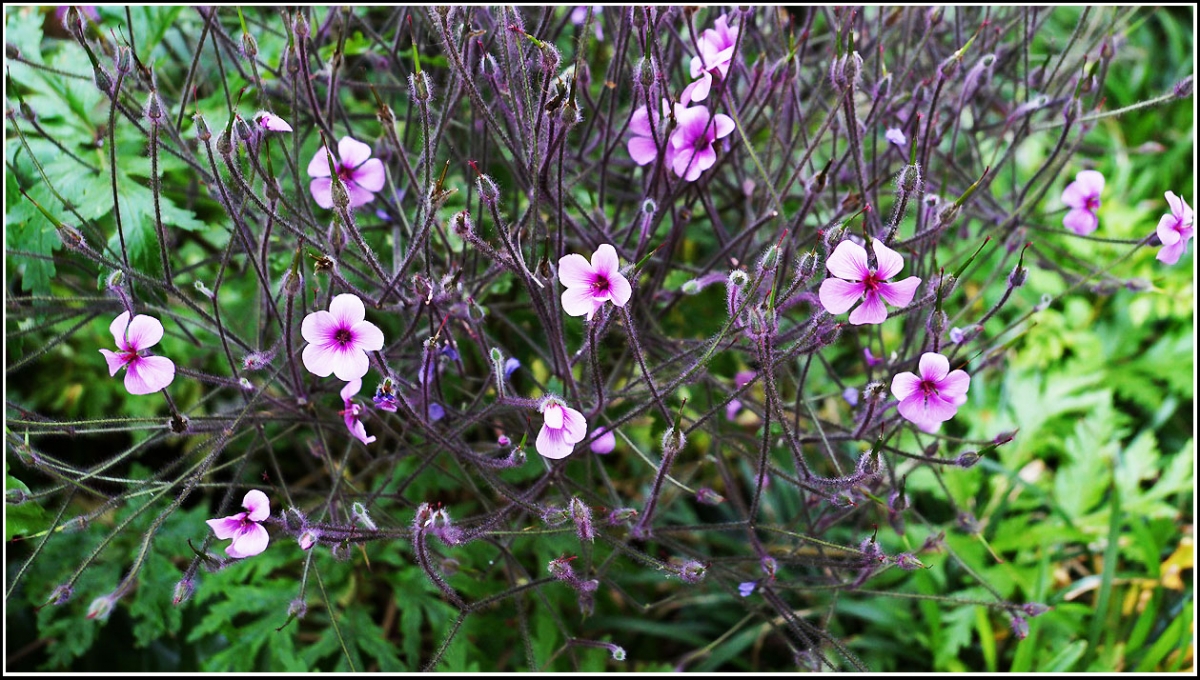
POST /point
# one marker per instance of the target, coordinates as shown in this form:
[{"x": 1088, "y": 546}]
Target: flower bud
[
  {"x": 967, "y": 459},
  {"x": 554, "y": 515},
  {"x": 618, "y": 653},
  {"x": 124, "y": 60},
  {"x": 581, "y": 514},
  {"x": 297, "y": 608},
  {"x": 910, "y": 179},
  {"x": 673, "y": 441},
  {"x": 769, "y": 567},
  {"x": 936, "y": 322},
  {"x": 489, "y": 192},
  {"x": 202, "y": 131},
  {"x": 692, "y": 572},
  {"x": 102, "y": 606},
  {"x": 243, "y": 130},
  {"x": 691, "y": 287},
  {"x": 293, "y": 281},
  {"x": 1020, "y": 627},
  {"x": 249, "y": 46},
  {"x": 300, "y": 26},
  {"x": 308, "y": 538},
  {"x": 104, "y": 81},
  {"x": 358, "y": 513},
  {"x": 833, "y": 236},
  {"x": 770, "y": 259},
  {"x": 61, "y": 594},
  {"x": 908, "y": 562},
  {"x": 707, "y": 496},
  {"x": 1034, "y": 609},
  {"x": 341, "y": 197},
  {"x": 560, "y": 569},
  {"x": 183, "y": 592},
  {"x": 1183, "y": 89},
  {"x": 621, "y": 516},
  {"x": 420, "y": 88},
  {"x": 1016, "y": 278},
  {"x": 461, "y": 224}
]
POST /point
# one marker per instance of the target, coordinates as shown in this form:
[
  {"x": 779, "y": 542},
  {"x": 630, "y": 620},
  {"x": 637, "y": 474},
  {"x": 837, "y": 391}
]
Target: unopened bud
[
  {"x": 102, "y": 607},
  {"x": 70, "y": 236},
  {"x": 692, "y": 572},
  {"x": 910, "y": 179},
  {"x": 947, "y": 215},
  {"x": 833, "y": 236},
  {"x": 1183, "y": 89},
  {"x": 908, "y": 562},
  {"x": 621, "y": 516},
  {"x": 1020, "y": 627},
  {"x": 308, "y": 538},
  {"x": 618, "y": 653},
  {"x": 420, "y": 88},
  {"x": 249, "y": 45},
  {"x": 1034, "y": 609},
  {"x": 124, "y": 60},
  {"x": 340, "y": 197},
  {"x": 555, "y": 515},
  {"x": 297, "y": 608},
  {"x": 202, "y": 131},
  {"x": 488, "y": 191},
  {"x": 183, "y": 591},
  {"x": 561, "y": 569},
  {"x": 461, "y": 225},
  {"x": 300, "y": 25},
  {"x": 673, "y": 441},
  {"x": 243, "y": 129},
  {"x": 61, "y": 594},
  {"x": 936, "y": 322},
  {"x": 967, "y": 459},
  {"x": 104, "y": 81},
  {"x": 581, "y": 514},
  {"x": 1016, "y": 278},
  {"x": 769, "y": 259},
  {"x": 707, "y": 496}
]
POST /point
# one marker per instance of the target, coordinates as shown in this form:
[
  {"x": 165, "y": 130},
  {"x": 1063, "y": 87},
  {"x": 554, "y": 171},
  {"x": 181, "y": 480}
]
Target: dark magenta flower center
[
  {"x": 600, "y": 284},
  {"x": 929, "y": 388},
  {"x": 343, "y": 336},
  {"x": 871, "y": 282}
]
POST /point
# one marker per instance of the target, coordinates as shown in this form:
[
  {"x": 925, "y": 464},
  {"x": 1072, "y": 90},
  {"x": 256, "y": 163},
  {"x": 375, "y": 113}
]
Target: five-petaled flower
[
  {"x": 249, "y": 537},
  {"x": 1083, "y": 198},
  {"x": 1175, "y": 229},
  {"x": 564, "y": 427},
  {"x": 143, "y": 374},
  {"x": 691, "y": 144},
  {"x": 272, "y": 123},
  {"x": 362, "y": 175},
  {"x": 849, "y": 261},
  {"x": 340, "y": 339},
  {"x": 590, "y": 285},
  {"x": 351, "y": 411},
  {"x": 716, "y": 47},
  {"x": 933, "y": 397}
]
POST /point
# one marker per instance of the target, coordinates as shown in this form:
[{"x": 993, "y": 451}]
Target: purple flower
[
  {"x": 934, "y": 397},
  {"x": 716, "y": 53},
  {"x": 589, "y": 286},
  {"x": 850, "y": 394},
  {"x": 691, "y": 144},
  {"x": 510, "y": 366},
  {"x": 340, "y": 339},
  {"x": 895, "y": 136},
  {"x": 271, "y": 122},
  {"x": 740, "y": 379},
  {"x": 351, "y": 411},
  {"x": 746, "y": 588},
  {"x": 385, "y": 396},
  {"x": 872, "y": 360},
  {"x": 362, "y": 175},
  {"x": 564, "y": 427},
  {"x": 1083, "y": 198},
  {"x": 604, "y": 440},
  {"x": 849, "y": 261},
  {"x": 1175, "y": 229},
  {"x": 249, "y": 537},
  {"x": 641, "y": 146},
  {"x": 579, "y": 15},
  {"x": 143, "y": 374}
]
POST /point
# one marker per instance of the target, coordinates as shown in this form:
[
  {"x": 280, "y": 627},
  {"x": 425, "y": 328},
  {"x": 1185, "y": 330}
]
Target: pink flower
[
  {"x": 691, "y": 144},
  {"x": 604, "y": 440},
  {"x": 143, "y": 374},
  {"x": 340, "y": 339},
  {"x": 716, "y": 53},
  {"x": 1083, "y": 198},
  {"x": 351, "y": 411},
  {"x": 934, "y": 397},
  {"x": 579, "y": 15},
  {"x": 589, "y": 286},
  {"x": 1175, "y": 229},
  {"x": 641, "y": 146},
  {"x": 249, "y": 537},
  {"x": 849, "y": 261},
  {"x": 895, "y": 136},
  {"x": 271, "y": 122},
  {"x": 361, "y": 174},
  {"x": 564, "y": 427},
  {"x": 740, "y": 379}
]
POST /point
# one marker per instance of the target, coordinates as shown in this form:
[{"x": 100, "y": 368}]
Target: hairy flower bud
[
  {"x": 554, "y": 515},
  {"x": 243, "y": 130},
  {"x": 358, "y": 513},
  {"x": 673, "y": 441},
  {"x": 300, "y": 25},
  {"x": 936, "y": 322},
  {"x": 461, "y": 225},
  {"x": 967, "y": 459},
  {"x": 61, "y": 594},
  {"x": 692, "y": 572},
  {"x": 1016, "y": 278},
  {"x": 297, "y": 608},
  {"x": 102, "y": 606},
  {"x": 249, "y": 46},
  {"x": 621, "y": 516},
  {"x": 833, "y": 236},
  {"x": 908, "y": 562},
  {"x": 1034, "y": 609},
  {"x": 909, "y": 180},
  {"x": 183, "y": 592},
  {"x": 581, "y": 515},
  {"x": 707, "y": 496},
  {"x": 420, "y": 87},
  {"x": 124, "y": 60},
  {"x": 1020, "y": 627},
  {"x": 202, "y": 131},
  {"x": 308, "y": 538}
]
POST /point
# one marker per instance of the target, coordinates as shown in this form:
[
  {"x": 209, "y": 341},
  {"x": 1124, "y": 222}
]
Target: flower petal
[
  {"x": 1091, "y": 182},
  {"x": 350, "y": 363},
  {"x": 367, "y": 336},
  {"x": 117, "y": 328},
  {"x": 895, "y": 136},
  {"x": 927, "y": 411},
  {"x": 1169, "y": 254},
  {"x": 724, "y": 125},
  {"x": 1168, "y": 229},
  {"x": 574, "y": 271},
  {"x": 641, "y": 150},
  {"x": 370, "y": 175},
  {"x": 144, "y": 331},
  {"x": 358, "y": 430},
  {"x": 321, "y": 192},
  {"x": 352, "y": 388},
  {"x": 553, "y": 414},
  {"x": 578, "y": 302},
  {"x": 251, "y": 541},
  {"x": 934, "y": 367},
  {"x": 319, "y": 165},
  {"x": 905, "y": 384},
  {"x": 117, "y": 359},
  {"x": 838, "y": 296},
  {"x": 319, "y": 327},
  {"x": 358, "y": 195},
  {"x": 870, "y": 311},
  {"x": 703, "y": 159},
  {"x": 353, "y": 152},
  {"x": 147, "y": 375},
  {"x": 605, "y": 261},
  {"x": 270, "y": 121},
  {"x": 1080, "y": 221},
  {"x": 619, "y": 289},
  {"x": 954, "y": 387},
  {"x": 889, "y": 261},
  {"x": 900, "y": 293},
  {"x": 698, "y": 91},
  {"x": 319, "y": 359},
  {"x": 226, "y": 527},
  {"x": 604, "y": 440},
  {"x": 257, "y": 505},
  {"x": 347, "y": 309},
  {"x": 639, "y": 122},
  {"x": 574, "y": 425},
  {"x": 550, "y": 443},
  {"x": 849, "y": 261}
]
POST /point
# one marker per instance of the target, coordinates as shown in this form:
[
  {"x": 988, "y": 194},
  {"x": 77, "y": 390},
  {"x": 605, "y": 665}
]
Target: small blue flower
[{"x": 746, "y": 589}]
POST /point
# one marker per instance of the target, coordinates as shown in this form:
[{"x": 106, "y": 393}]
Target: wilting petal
[
  {"x": 900, "y": 293},
  {"x": 118, "y": 359},
  {"x": 353, "y": 152},
  {"x": 837, "y": 295},
  {"x": 934, "y": 367},
  {"x": 321, "y": 192},
  {"x": 574, "y": 425},
  {"x": 605, "y": 261},
  {"x": 350, "y": 363},
  {"x": 250, "y": 542},
  {"x": 870, "y": 311},
  {"x": 905, "y": 385},
  {"x": 257, "y": 505},
  {"x": 358, "y": 430},
  {"x": 227, "y": 527},
  {"x": 147, "y": 375},
  {"x": 849, "y": 261},
  {"x": 1081, "y": 221},
  {"x": 347, "y": 309},
  {"x": 367, "y": 336},
  {"x": 319, "y": 327},
  {"x": 319, "y": 165},
  {"x": 890, "y": 262},
  {"x": 144, "y": 331},
  {"x": 371, "y": 175},
  {"x": 578, "y": 302}
]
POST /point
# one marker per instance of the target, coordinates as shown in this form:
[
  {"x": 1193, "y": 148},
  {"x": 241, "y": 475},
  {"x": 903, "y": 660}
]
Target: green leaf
[{"x": 24, "y": 519}]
